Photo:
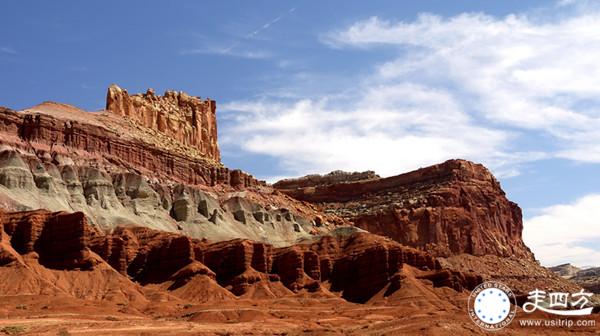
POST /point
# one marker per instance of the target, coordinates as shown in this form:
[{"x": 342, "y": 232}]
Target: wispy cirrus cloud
[
  {"x": 8, "y": 50},
  {"x": 250, "y": 54},
  {"x": 520, "y": 72},
  {"x": 507, "y": 81}
]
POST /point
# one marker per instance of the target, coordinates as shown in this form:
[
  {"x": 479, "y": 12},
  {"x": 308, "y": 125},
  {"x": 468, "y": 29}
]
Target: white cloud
[
  {"x": 471, "y": 86},
  {"x": 389, "y": 128},
  {"x": 563, "y": 233},
  {"x": 518, "y": 71}
]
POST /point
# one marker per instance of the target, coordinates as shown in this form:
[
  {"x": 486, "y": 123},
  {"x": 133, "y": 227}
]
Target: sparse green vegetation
[{"x": 13, "y": 330}]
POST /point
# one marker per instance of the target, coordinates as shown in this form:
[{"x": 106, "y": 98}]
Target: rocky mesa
[{"x": 446, "y": 209}]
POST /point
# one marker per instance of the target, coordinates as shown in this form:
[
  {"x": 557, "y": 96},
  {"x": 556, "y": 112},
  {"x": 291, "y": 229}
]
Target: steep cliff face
[
  {"x": 447, "y": 209},
  {"x": 185, "y": 118},
  {"x": 59, "y": 239}
]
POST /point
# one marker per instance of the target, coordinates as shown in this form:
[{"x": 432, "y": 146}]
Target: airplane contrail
[{"x": 259, "y": 30}]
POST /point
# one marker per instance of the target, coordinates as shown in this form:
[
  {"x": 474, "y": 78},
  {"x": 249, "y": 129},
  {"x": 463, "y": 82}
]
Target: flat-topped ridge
[{"x": 451, "y": 170}]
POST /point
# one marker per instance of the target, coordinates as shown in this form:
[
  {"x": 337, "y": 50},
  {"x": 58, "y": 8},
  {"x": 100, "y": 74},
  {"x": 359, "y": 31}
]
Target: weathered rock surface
[
  {"x": 59, "y": 239},
  {"x": 110, "y": 194},
  {"x": 522, "y": 275},
  {"x": 187, "y": 119},
  {"x": 451, "y": 208},
  {"x": 589, "y": 279}
]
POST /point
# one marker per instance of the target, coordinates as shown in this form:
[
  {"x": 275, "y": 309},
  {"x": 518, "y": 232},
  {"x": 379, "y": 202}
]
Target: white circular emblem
[{"x": 492, "y": 305}]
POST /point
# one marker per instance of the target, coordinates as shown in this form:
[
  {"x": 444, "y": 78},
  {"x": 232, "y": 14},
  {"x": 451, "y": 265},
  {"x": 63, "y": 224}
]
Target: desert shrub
[{"x": 13, "y": 330}]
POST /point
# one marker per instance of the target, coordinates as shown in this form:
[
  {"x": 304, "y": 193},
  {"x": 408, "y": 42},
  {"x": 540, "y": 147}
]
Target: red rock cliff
[
  {"x": 450, "y": 208},
  {"x": 59, "y": 238},
  {"x": 188, "y": 119}
]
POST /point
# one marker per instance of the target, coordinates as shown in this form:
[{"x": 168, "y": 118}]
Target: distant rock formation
[
  {"x": 446, "y": 209},
  {"x": 188, "y": 119},
  {"x": 588, "y": 278},
  {"x": 565, "y": 270}
]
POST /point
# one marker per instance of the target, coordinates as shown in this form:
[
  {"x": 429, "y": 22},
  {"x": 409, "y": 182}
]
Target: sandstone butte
[{"x": 125, "y": 222}]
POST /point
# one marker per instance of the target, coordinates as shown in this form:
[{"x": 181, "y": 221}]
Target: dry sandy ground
[{"x": 28, "y": 315}]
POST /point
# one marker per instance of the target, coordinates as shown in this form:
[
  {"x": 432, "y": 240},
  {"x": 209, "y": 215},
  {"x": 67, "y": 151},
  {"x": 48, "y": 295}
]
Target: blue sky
[{"x": 312, "y": 86}]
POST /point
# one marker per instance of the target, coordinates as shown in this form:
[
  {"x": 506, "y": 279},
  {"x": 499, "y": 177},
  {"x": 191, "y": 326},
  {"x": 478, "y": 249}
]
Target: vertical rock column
[{"x": 186, "y": 119}]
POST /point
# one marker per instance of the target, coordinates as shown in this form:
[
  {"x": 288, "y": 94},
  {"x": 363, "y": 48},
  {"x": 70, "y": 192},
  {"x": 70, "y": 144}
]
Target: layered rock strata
[
  {"x": 110, "y": 197},
  {"x": 358, "y": 265},
  {"x": 67, "y": 135},
  {"x": 334, "y": 177}
]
